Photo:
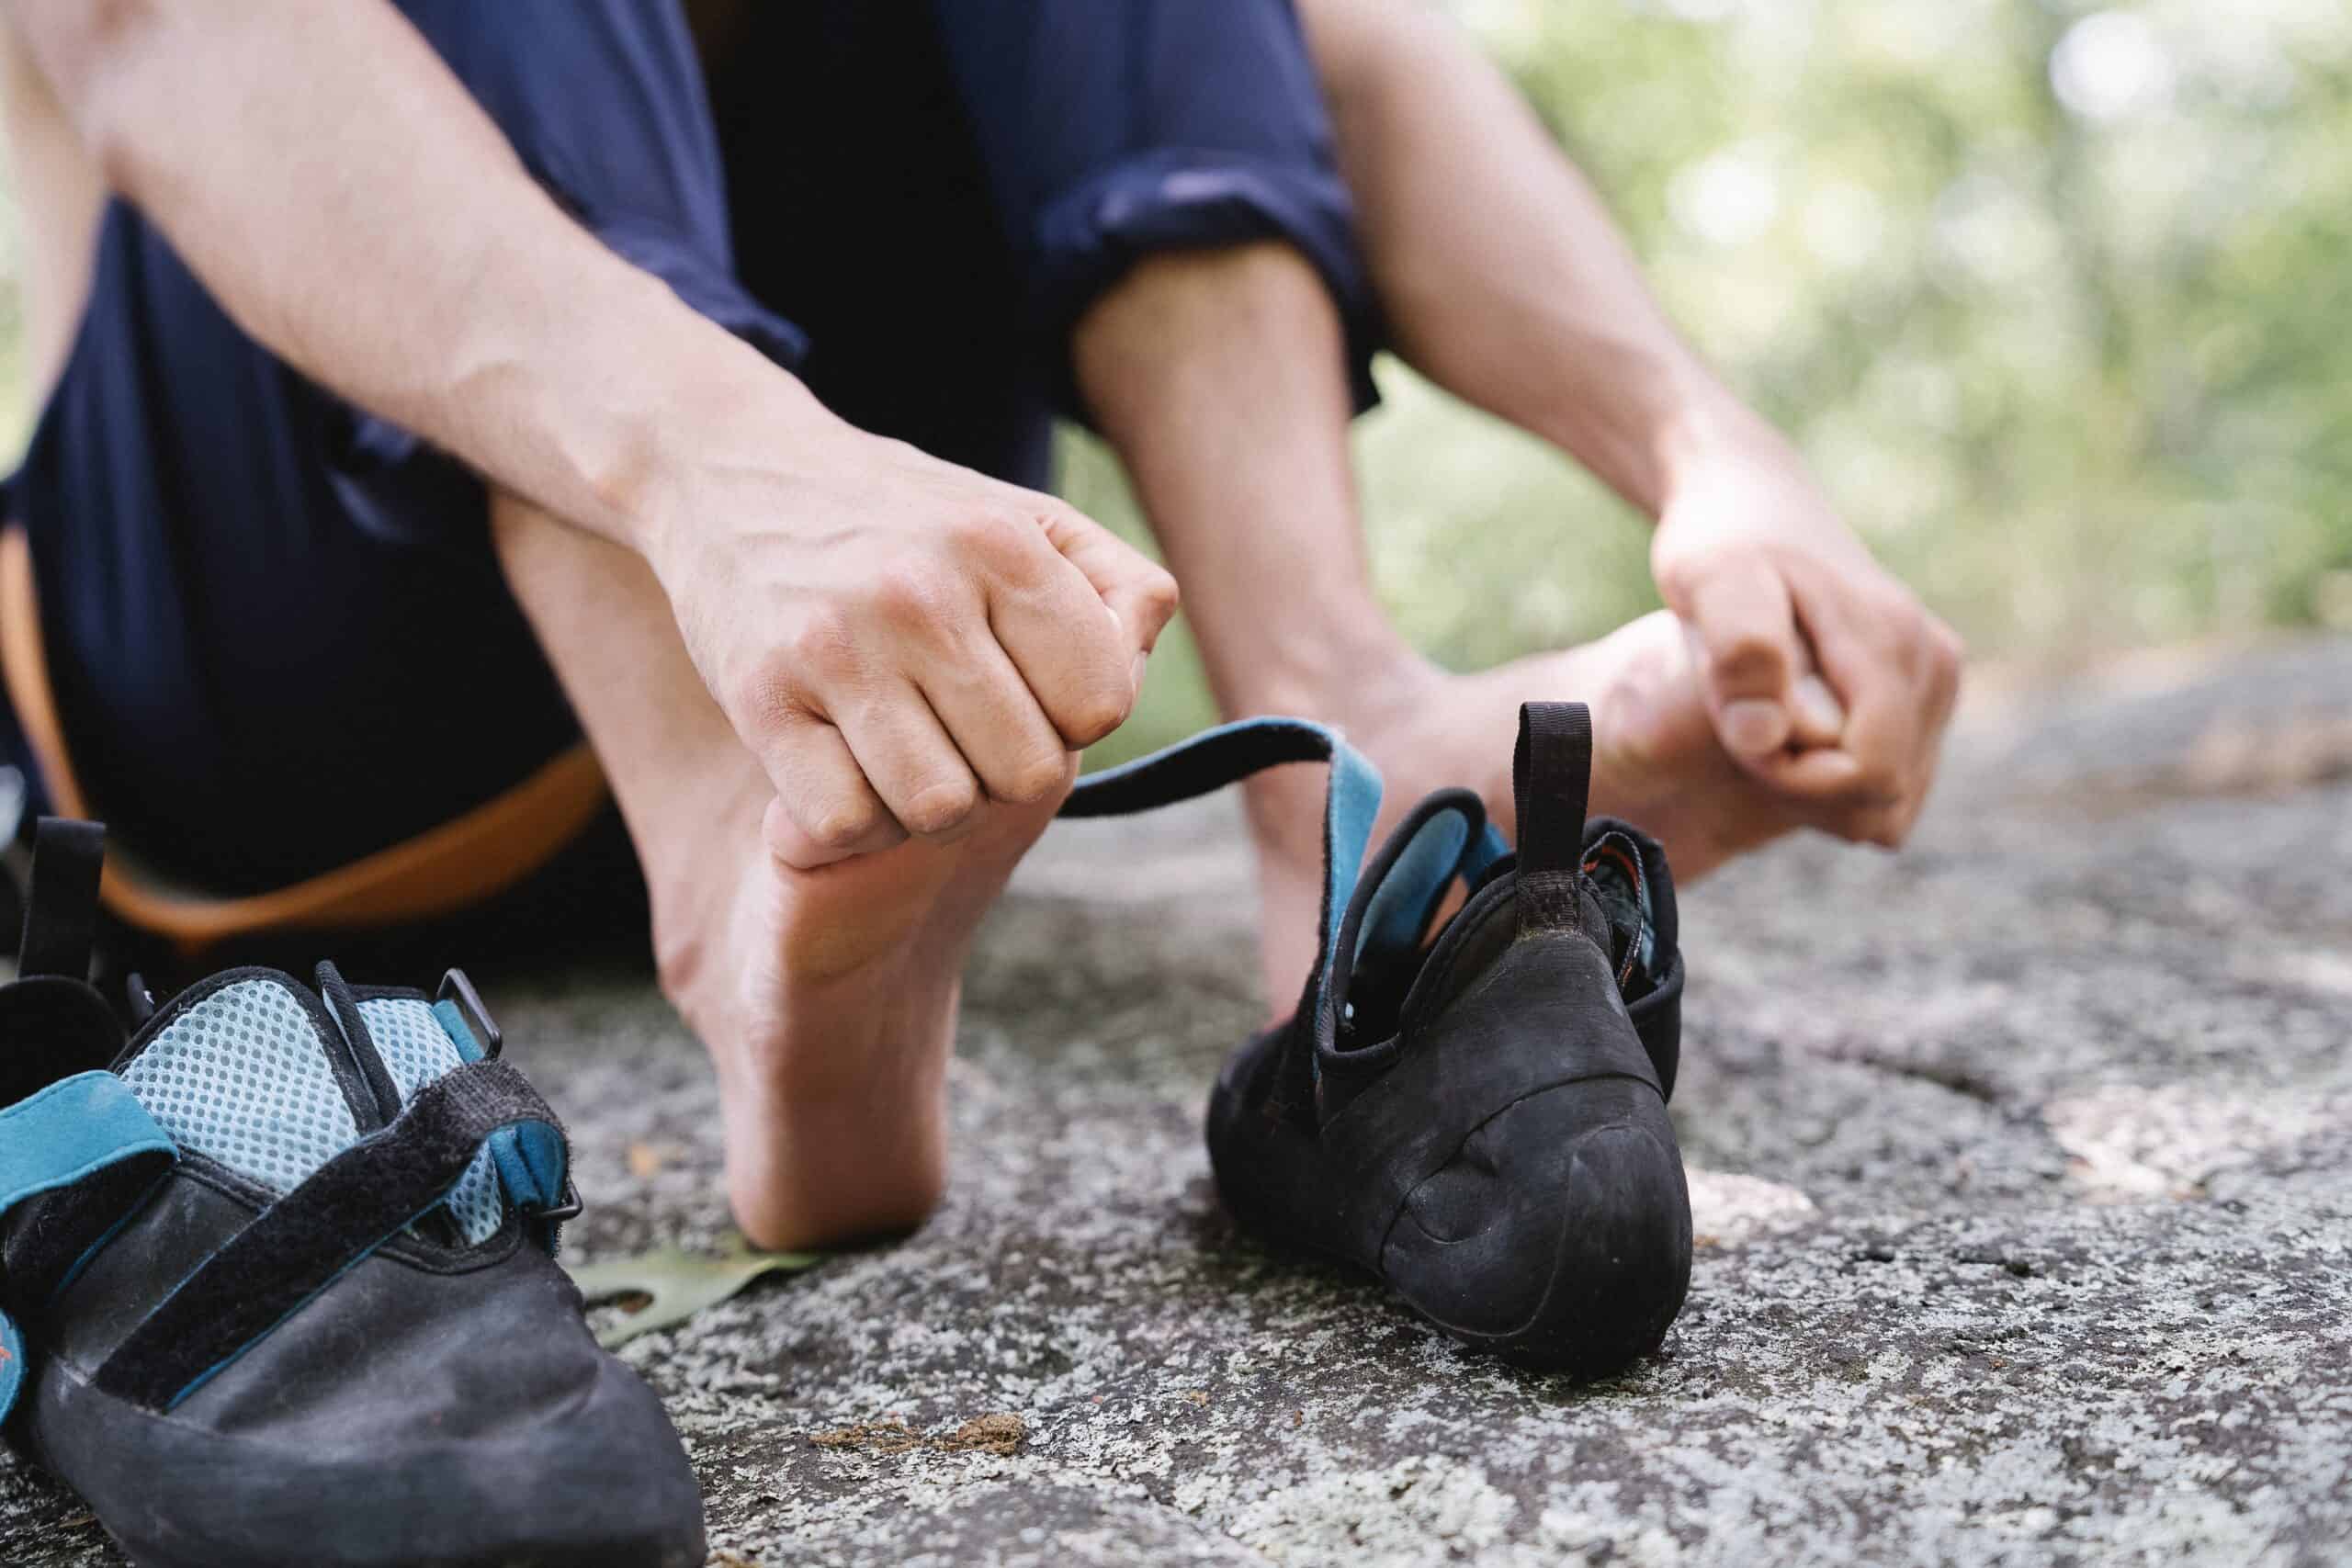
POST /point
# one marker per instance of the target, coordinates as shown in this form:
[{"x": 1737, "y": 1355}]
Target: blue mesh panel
[
  {"x": 415, "y": 1051},
  {"x": 242, "y": 1076}
]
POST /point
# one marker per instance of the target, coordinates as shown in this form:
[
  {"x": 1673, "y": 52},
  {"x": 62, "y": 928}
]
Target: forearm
[
  {"x": 1502, "y": 274},
  {"x": 349, "y": 205}
]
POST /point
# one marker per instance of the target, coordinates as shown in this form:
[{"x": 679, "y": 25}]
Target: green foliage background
[{"x": 2057, "y": 298}]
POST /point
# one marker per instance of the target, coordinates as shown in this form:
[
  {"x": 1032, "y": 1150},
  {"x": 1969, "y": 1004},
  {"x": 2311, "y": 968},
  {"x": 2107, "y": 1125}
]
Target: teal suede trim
[
  {"x": 1347, "y": 816},
  {"x": 72, "y": 1130},
  {"x": 12, "y": 1364},
  {"x": 452, "y": 1019},
  {"x": 1491, "y": 847},
  {"x": 529, "y": 1158},
  {"x": 1232, "y": 752},
  {"x": 1392, "y": 921}
]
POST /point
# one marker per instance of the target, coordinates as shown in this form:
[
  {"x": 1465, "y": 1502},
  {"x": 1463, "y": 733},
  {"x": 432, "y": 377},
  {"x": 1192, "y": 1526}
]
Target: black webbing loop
[
  {"x": 1551, "y": 780},
  {"x": 297, "y": 1246},
  {"x": 61, "y": 902},
  {"x": 1206, "y": 763}
]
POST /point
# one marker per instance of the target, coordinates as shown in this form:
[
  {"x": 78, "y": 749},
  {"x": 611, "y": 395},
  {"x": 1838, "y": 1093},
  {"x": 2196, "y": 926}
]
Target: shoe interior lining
[{"x": 1397, "y": 949}]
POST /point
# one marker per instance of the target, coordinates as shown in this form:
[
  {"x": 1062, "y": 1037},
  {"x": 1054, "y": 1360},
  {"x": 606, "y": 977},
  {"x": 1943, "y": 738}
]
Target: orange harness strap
[{"x": 452, "y": 867}]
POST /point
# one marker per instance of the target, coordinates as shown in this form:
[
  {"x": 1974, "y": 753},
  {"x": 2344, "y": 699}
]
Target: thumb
[
  {"x": 1749, "y": 656},
  {"x": 1139, "y": 593}
]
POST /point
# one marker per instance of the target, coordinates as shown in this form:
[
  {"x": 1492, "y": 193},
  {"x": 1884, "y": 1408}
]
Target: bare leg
[
  {"x": 827, "y": 998},
  {"x": 1219, "y": 377}
]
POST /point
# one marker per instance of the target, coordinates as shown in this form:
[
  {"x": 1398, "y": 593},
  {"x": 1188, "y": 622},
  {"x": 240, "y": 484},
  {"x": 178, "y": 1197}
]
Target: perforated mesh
[
  {"x": 242, "y": 1076},
  {"x": 415, "y": 1051}
]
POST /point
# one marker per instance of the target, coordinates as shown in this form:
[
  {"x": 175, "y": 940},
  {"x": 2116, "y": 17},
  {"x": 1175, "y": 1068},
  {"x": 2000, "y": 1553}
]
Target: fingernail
[
  {"x": 1135, "y": 673},
  {"x": 1753, "y": 727},
  {"x": 1824, "y": 716}
]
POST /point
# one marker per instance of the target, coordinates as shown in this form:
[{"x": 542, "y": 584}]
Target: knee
[{"x": 1222, "y": 308}]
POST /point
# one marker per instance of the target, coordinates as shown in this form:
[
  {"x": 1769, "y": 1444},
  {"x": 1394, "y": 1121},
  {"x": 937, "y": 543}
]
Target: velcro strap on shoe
[
  {"x": 299, "y": 1245},
  {"x": 1551, "y": 780},
  {"x": 81, "y": 1129},
  {"x": 1232, "y": 752}
]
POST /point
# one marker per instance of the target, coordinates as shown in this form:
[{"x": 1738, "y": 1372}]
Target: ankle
[
  {"x": 1364, "y": 681},
  {"x": 693, "y": 851}
]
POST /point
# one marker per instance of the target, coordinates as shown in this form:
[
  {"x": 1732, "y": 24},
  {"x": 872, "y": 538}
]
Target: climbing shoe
[
  {"x": 1477, "y": 1117},
  {"x": 277, "y": 1283}
]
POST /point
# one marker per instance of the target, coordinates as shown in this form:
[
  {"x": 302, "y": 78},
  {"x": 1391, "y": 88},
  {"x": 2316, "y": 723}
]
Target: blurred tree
[{"x": 2058, "y": 299}]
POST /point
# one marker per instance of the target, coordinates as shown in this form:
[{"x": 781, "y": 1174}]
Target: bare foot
[
  {"x": 828, "y": 1001},
  {"x": 1656, "y": 764}
]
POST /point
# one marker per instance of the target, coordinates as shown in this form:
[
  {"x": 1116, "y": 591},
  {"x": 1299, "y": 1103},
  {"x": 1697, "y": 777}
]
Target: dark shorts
[{"x": 276, "y": 642}]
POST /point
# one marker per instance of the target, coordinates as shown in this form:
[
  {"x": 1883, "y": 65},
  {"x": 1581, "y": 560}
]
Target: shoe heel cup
[{"x": 1559, "y": 1233}]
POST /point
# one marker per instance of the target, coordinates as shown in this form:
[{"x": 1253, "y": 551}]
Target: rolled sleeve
[
  {"x": 1113, "y": 130},
  {"x": 1187, "y": 198}
]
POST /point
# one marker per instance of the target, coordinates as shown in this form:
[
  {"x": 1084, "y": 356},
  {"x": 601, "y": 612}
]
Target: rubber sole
[
  {"x": 592, "y": 1491},
  {"x": 1617, "y": 1268}
]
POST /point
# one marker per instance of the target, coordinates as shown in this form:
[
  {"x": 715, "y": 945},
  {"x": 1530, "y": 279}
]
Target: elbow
[
  {"x": 96, "y": 56},
  {"x": 1362, "y": 47}
]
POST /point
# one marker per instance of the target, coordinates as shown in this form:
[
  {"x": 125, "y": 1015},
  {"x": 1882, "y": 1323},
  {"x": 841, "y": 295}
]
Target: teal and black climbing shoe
[
  {"x": 1479, "y": 1119},
  {"x": 276, "y": 1277}
]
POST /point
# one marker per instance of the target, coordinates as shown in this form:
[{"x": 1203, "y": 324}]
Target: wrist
[
  {"x": 1704, "y": 434},
  {"x": 1650, "y": 421},
  {"x": 697, "y": 421}
]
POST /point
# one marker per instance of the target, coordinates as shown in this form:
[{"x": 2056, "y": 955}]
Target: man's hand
[
  {"x": 1825, "y": 677},
  {"x": 899, "y": 640}
]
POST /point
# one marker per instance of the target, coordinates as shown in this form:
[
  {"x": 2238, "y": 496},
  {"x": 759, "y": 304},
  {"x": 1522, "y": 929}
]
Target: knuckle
[
  {"x": 1747, "y": 656},
  {"x": 1039, "y": 780},
  {"x": 1880, "y": 785},
  {"x": 1951, "y": 651},
  {"x": 1159, "y": 592},
  {"x": 986, "y": 532},
  {"x": 1095, "y": 712},
  {"x": 1676, "y": 578},
  {"x": 916, "y": 595},
  {"x": 823, "y": 643},
  {"x": 837, "y": 824},
  {"x": 940, "y": 807},
  {"x": 761, "y": 700}
]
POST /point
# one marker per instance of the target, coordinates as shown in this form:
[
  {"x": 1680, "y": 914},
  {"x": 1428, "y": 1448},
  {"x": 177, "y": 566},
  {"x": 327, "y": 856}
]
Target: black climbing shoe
[
  {"x": 1479, "y": 1120},
  {"x": 277, "y": 1278}
]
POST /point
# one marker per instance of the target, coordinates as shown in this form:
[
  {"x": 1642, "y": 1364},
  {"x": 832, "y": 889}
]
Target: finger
[
  {"x": 1826, "y": 788},
  {"x": 1749, "y": 656},
  {"x": 1139, "y": 590},
  {"x": 791, "y": 843},
  {"x": 1823, "y": 776},
  {"x": 993, "y": 719},
  {"x": 1076, "y": 659},
  {"x": 1818, "y": 718},
  {"x": 824, "y": 809},
  {"x": 1890, "y": 731},
  {"x": 906, "y": 754}
]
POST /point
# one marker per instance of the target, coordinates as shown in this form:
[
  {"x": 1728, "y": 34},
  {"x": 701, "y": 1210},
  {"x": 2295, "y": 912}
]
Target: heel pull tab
[
  {"x": 1552, "y": 778},
  {"x": 61, "y": 899}
]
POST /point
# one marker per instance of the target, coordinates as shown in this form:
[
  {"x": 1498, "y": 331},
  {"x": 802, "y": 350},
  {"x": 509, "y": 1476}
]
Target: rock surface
[{"x": 2022, "y": 1165}]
